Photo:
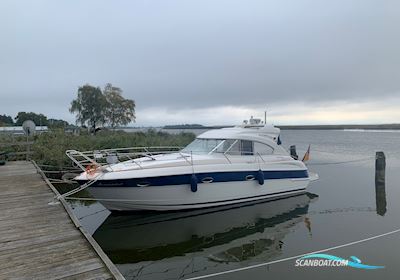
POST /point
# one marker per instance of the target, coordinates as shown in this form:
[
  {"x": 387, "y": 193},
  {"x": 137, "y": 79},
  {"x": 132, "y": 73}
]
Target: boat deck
[{"x": 42, "y": 241}]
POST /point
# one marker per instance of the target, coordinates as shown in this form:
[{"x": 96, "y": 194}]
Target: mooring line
[
  {"x": 293, "y": 257},
  {"x": 342, "y": 162},
  {"x": 91, "y": 214}
]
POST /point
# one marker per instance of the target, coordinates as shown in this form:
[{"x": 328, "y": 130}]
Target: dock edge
[{"x": 96, "y": 247}]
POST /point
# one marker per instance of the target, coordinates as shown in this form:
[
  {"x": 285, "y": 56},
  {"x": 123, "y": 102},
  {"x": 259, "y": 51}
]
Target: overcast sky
[{"x": 206, "y": 61}]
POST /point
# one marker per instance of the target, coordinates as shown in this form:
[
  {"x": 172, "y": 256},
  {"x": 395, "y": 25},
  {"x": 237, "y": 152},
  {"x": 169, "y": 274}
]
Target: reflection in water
[
  {"x": 218, "y": 235},
  {"x": 307, "y": 222},
  {"x": 380, "y": 197}
]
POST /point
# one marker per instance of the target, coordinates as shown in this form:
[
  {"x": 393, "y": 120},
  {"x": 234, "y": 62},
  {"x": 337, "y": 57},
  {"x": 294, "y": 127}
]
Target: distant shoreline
[
  {"x": 341, "y": 127},
  {"x": 303, "y": 127}
]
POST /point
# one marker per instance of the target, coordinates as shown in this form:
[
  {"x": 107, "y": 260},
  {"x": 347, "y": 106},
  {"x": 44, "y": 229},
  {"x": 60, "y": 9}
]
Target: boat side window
[
  {"x": 240, "y": 147},
  {"x": 262, "y": 149},
  {"x": 233, "y": 148},
  {"x": 203, "y": 146},
  {"x": 246, "y": 147},
  {"x": 224, "y": 146},
  {"x": 221, "y": 147}
]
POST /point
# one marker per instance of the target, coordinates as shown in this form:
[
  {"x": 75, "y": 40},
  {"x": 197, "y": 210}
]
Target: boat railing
[
  {"x": 98, "y": 158},
  {"x": 93, "y": 160}
]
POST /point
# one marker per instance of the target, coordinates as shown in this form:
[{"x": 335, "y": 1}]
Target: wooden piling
[{"x": 380, "y": 188}]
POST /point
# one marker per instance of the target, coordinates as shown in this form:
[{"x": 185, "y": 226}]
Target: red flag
[{"x": 307, "y": 154}]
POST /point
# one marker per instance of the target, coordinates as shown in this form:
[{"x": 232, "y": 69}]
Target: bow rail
[{"x": 99, "y": 158}]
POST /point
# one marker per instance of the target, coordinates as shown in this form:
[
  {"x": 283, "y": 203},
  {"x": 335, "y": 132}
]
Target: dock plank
[
  {"x": 42, "y": 240},
  {"x": 100, "y": 273}
]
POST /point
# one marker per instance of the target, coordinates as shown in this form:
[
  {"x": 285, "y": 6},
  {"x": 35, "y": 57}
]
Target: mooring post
[
  {"x": 380, "y": 192},
  {"x": 380, "y": 166}
]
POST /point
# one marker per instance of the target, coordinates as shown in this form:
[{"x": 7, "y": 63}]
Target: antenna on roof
[{"x": 265, "y": 117}]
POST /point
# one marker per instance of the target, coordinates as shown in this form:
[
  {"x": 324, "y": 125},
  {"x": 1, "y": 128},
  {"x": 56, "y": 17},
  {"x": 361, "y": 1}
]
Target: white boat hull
[{"x": 180, "y": 197}]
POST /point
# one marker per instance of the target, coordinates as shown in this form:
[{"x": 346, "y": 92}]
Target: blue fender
[
  {"x": 260, "y": 177},
  {"x": 193, "y": 183}
]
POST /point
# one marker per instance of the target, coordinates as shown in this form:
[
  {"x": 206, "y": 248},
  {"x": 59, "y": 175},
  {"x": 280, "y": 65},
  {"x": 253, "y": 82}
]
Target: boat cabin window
[
  {"x": 240, "y": 147},
  {"x": 262, "y": 149},
  {"x": 245, "y": 147},
  {"x": 203, "y": 146},
  {"x": 228, "y": 146}
]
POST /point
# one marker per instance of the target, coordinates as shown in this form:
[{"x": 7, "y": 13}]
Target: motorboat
[{"x": 220, "y": 167}]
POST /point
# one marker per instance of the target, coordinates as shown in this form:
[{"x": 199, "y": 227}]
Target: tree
[
  {"x": 6, "y": 120},
  {"x": 55, "y": 123},
  {"x": 119, "y": 111},
  {"x": 38, "y": 119},
  {"x": 89, "y": 106}
]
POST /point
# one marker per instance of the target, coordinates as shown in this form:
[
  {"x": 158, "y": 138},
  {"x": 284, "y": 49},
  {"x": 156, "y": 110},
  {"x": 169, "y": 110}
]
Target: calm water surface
[{"x": 341, "y": 207}]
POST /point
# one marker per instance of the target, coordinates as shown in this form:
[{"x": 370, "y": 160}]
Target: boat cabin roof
[{"x": 254, "y": 133}]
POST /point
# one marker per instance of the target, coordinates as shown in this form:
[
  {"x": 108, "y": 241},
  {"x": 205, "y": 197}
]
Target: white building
[{"x": 19, "y": 130}]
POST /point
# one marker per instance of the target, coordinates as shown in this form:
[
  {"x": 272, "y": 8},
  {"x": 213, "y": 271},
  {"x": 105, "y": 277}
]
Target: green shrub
[{"x": 49, "y": 148}]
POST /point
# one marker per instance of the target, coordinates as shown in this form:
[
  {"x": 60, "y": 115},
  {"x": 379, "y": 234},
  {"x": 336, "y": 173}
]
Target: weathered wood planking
[{"x": 42, "y": 241}]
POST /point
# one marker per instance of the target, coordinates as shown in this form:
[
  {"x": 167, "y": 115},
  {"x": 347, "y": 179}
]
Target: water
[{"x": 341, "y": 207}]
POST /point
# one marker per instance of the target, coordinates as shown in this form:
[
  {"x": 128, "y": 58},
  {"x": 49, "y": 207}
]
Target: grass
[{"x": 49, "y": 148}]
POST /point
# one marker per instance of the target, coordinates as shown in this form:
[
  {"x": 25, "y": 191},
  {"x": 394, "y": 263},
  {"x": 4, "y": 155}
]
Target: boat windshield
[
  {"x": 206, "y": 146},
  {"x": 227, "y": 146}
]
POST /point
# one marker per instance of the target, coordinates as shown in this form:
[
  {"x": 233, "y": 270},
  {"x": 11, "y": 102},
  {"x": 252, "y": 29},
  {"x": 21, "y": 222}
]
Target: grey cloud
[{"x": 194, "y": 54}]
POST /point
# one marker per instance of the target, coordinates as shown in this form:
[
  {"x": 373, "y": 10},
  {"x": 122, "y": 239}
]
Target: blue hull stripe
[{"x": 184, "y": 179}]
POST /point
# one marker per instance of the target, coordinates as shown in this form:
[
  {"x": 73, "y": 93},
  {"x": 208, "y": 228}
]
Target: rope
[
  {"x": 294, "y": 257},
  {"x": 69, "y": 182},
  {"x": 342, "y": 210},
  {"x": 83, "y": 198},
  {"x": 101, "y": 199},
  {"x": 343, "y": 162},
  {"x": 56, "y": 166},
  {"x": 91, "y": 214},
  {"x": 82, "y": 187},
  {"x": 59, "y": 171},
  {"x": 62, "y": 181}
]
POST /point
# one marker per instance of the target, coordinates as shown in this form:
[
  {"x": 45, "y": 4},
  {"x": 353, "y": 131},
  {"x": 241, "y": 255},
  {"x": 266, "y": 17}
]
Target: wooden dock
[{"x": 39, "y": 240}]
